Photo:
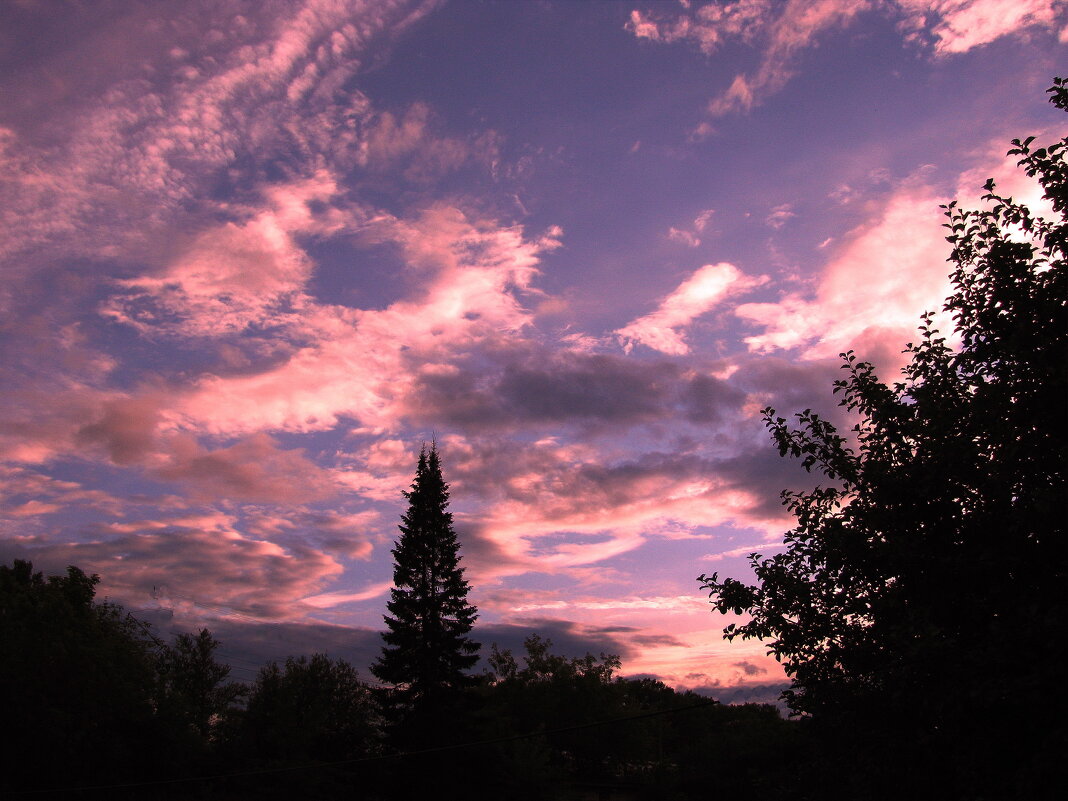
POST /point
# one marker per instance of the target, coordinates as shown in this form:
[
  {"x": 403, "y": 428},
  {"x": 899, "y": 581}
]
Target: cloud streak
[
  {"x": 707, "y": 288},
  {"x": 873, "y": 290},
  {"x": 783, "y": 31}
]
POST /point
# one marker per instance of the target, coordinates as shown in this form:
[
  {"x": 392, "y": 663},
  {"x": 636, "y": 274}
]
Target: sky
[{"x": 255, "y": 254}]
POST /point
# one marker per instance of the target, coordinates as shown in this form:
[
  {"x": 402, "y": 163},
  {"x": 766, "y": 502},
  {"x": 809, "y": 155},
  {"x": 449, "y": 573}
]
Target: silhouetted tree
[
  {"x": 427, "y": 646},
  {"x": 602, "y": 734},
  {"x": 552, "y": 691},
  {"x": 300, "y": 715},
  {"x": 77, "y": 684},
  {"x": 193, "y": 685},
  {"x": 917, "y": 604},
  {"x": 310, "y": 709}
]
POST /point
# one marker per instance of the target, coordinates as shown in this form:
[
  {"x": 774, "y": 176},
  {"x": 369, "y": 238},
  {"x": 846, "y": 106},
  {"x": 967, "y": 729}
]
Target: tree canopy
[
  {"x": 310, "y": 709},
  {"x": 90, "y": 693},
  {"x": 919, "y": 595}
]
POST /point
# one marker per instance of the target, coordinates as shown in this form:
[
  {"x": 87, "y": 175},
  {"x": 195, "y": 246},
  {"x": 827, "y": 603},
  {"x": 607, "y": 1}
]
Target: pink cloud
[
  {"x": 254, "y": 468},
  {"x": 683, "y": 237},
  {"x": 872, "y": 292},
  {"x": 780, "y": 215},
  {"x": 690, "y": 236},
  {"x": 781, "y": 29},
  {"x": 659, "y": 604},
  {"x": 408, "y": 142},
  {"x": 566, "y": 509},
  {"x": 699, "y": 294},
  {"x": 37, "y": 494},
  {"x": 361, "y": 363},
  {"x": 1010, "y": 180},
  {"x": 53, "y": 383},
  {"x": 674, "y": 637},
  {"x": 695, "y": 646},
  {"x": 560, "y": 529},
  {"x": 764, "y": 548},
  {"x": 33, "y": 508},
  {"x": 142, "y": 151},
  {"x": 344, "y": 534},
  {"x": 957, "y": 26},
  {"x": 236, "y": 275},
  {"x": 796, "y": 28},
  {"x": 707, "y": 26},
  {"x": 329, "y": 600},
  {"x": 126, "y": 428},
  {"x": 200, "y": 561},
  {"x": 41, "y": 423}
]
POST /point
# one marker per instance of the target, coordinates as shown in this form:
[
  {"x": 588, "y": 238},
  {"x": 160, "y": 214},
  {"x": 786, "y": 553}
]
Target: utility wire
[{"x": 379, "y": 758}]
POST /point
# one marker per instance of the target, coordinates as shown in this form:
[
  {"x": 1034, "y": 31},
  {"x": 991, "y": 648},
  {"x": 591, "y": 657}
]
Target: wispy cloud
[
  {"x": 254, "y": 468},
  {"x": 237, "y": 275},
  {"x": 255, "y": 253},
  {"x": 780, "y": 215},
  {"x": 145, "y": 151},
  {"x": 203, "y": 558},
  {"x": 663, "y": 329},
  {"x": 691, "y": 235},
  {"x": 362, "y": 364},
  {"x": 782, "y": 31},
  {"x": 872, "y": 292},
  {"x": 957, "y": 26}
]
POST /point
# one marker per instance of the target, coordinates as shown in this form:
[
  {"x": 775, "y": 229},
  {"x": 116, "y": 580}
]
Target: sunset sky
[{"x": 256, "y": 253}]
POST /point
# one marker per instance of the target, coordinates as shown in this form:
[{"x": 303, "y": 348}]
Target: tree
[
  {"x": 636, "y": 737},
  {"x": 312, "y": 713},
  {"x": 920, "y": 597},
  {"x": 310, "y": 709},
  {"x": 427, "y": 647},
  {"x": 193, "y": 684},
  {"x": 77, "y": 683}
]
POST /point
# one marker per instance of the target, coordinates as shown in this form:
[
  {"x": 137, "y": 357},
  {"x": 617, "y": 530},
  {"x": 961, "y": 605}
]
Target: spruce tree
[{"x": 427, "y": 647}]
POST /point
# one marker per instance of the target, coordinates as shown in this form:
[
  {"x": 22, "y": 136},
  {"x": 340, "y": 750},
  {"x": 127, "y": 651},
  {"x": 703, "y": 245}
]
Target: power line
[{"x": 379, "y": 758}]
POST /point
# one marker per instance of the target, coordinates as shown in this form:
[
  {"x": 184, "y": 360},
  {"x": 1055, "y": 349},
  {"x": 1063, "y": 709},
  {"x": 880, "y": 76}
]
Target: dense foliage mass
[
  {"x": 918, "y": 602},
  {"x": 89, "y": 693}
]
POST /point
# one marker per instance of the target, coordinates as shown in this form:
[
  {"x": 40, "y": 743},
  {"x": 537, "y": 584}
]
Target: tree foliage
[
  {"x": 606, "y": 734},
  {"x": 193, "y": 685},
  {"x": 78, "y": 684},
  {"x": 427, "y": 646},
  {"x": 101, "y": 707},
  {"x": 310, "y": 709},
  {"x": 921, "y": 589}
]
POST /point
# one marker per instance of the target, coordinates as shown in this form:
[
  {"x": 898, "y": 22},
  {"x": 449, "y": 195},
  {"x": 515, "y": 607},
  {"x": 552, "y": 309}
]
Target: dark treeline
[
  {"x": 918, "y": 608},
  {"x": 100, "y": 707}
]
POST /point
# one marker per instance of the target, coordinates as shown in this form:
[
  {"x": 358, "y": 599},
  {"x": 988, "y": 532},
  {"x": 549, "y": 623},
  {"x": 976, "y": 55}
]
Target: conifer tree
[{"x": 427, "y": 647}]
